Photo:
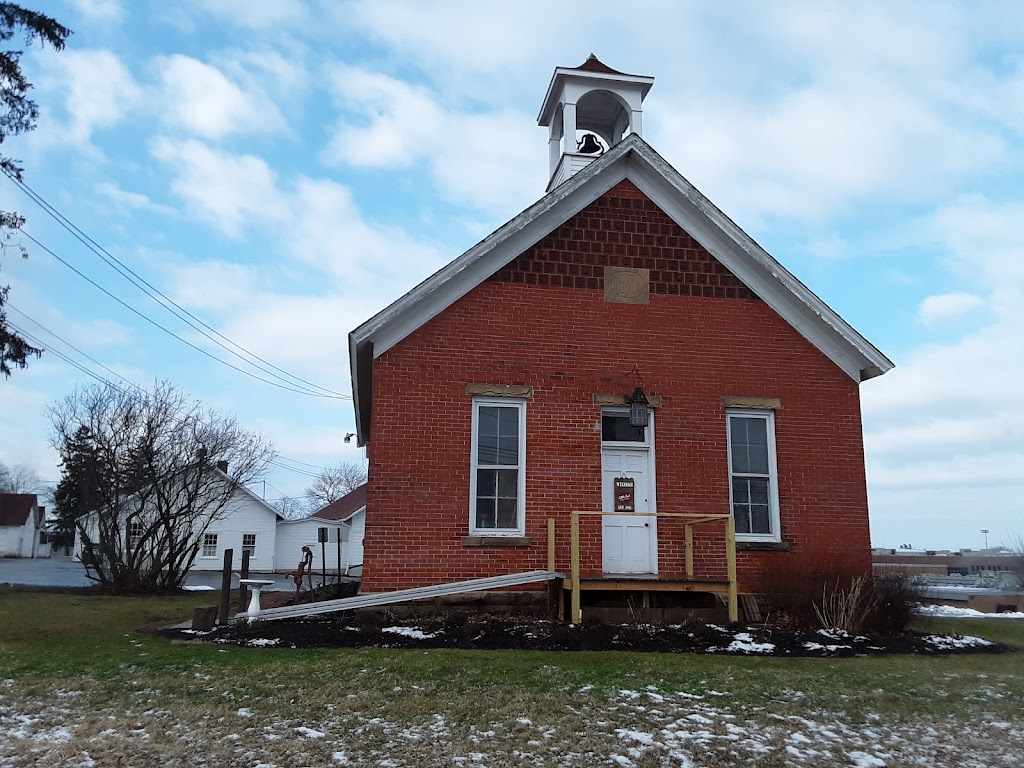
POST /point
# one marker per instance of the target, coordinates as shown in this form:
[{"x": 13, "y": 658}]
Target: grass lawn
[{"x": 80, "y": 687}]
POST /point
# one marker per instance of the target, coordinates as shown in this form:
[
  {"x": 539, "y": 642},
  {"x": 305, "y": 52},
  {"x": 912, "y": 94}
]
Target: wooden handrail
[{"x": 576, "y": 613}]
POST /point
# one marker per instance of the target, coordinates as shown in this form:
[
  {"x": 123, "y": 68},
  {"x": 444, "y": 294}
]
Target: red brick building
[{"x": 495, "y": 395}]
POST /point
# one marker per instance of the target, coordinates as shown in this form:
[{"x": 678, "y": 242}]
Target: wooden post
[
  {"x": 337, "y": 533},
  {"x": 225, "y": 587},
  {"x": 551, "y": 544},
  {"x": 730, "y": 563},
  {"x": 689, "y": 551},
  {"x": 243, "y": 590},
  {"x": 576, "y": 612}
]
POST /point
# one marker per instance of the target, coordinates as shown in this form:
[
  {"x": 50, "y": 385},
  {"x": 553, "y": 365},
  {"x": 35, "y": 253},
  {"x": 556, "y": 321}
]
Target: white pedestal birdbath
[{"x": 254, "y": 585}]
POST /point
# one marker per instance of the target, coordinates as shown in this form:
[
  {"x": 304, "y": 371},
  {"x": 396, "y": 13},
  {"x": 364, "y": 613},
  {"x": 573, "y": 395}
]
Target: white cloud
[
  {"x": 227, "y": 190},
  {"x": 392, "y": 124},
  {"x": 131, "y": 201},
  {"x": 948, "y": 306},
  {"x": 258, "y": 14},
  {"x": 199, "y": 98},
  {"x": 109, "y": 11},
  {"x": 99, "y": 91}
]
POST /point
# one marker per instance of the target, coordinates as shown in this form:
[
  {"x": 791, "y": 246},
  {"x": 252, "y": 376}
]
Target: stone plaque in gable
[{"x": 627, "y": 285}]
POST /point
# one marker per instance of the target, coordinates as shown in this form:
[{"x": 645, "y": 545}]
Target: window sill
[
  {"x": 763, "y": 546},
  {"x": 496, "y": 541}
]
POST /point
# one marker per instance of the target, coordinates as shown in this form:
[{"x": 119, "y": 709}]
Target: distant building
[{"x": 21, "y": 523}]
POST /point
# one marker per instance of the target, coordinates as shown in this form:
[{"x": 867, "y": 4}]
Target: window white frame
[
  {"x": 774, "y": 534},
  {"x": 249, "y": 545},
  {"x": 135, "y": 531},
  {"x": 209, "y": 545},
  {"x": 520, "y": 406}
]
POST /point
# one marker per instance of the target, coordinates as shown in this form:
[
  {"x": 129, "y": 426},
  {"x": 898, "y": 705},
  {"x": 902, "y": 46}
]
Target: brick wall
[{"x": 702, "y": 336}]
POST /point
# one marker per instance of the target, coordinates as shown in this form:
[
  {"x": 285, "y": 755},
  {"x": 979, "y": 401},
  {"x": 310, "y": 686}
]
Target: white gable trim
[{"x": 635, "y": 160}]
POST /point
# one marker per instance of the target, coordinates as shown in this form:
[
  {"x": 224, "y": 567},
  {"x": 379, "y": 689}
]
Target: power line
[
  {"x": 171, "y": 333},
  {"x": 178, "y": 311},
  {"x": 68, "y": 343},
  {"x": 34, "y": 338}
]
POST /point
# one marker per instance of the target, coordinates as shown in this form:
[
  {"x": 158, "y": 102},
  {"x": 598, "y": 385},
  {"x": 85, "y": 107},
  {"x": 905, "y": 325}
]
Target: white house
[
  {"x": 346, "y": 516},
  {"x": 21, "y": 519},
  {"x": 247, "y": 523}
]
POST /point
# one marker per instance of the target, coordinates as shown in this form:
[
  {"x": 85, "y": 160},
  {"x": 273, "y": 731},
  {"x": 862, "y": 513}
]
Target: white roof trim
[{"x": 635, "y": 160}]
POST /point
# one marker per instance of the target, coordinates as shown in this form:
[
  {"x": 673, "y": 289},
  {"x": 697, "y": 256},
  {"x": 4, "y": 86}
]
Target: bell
[{"x": 589, "y": 145}]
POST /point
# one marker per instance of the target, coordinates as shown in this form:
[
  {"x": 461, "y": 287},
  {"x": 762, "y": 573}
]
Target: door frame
[{"x": 652, "y": 484}]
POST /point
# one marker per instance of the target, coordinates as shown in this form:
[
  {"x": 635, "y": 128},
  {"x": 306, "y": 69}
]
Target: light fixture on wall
[{"x": 639, "y": 406}]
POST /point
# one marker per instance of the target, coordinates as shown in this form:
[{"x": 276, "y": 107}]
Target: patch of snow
[
  {"x": 864, "y": 760},
  {"x": 198, "y": 588},
  {"x": 415, "y": 634},
  {"x": 263, "y": 642},
  {"x": 946, "y": 642},
  {"x": 340, "y": 758},
  {"x": 831, "y": 648},
  {"x": 244, "y": 712},
  {"x": 309, "y": 733},
  {"x": 951, "y": 612},
  {"x": 641, "y": 736},
  {"x": 747, "y": 647}
]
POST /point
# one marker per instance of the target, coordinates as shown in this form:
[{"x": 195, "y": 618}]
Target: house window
[
  {"x": 135, "y": 530},
  {"x": 498, "y": 477},
  {"x": 249, "y": 544},
  {"x": 753, "y": 478},
  {"x": 209, "y": 545}
]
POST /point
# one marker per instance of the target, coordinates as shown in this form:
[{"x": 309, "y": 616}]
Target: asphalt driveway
[{"x": 63, "y": 571}]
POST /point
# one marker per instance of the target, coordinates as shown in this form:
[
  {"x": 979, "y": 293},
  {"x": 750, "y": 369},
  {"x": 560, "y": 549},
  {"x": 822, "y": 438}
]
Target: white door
[{"x": 630, "y": 541}]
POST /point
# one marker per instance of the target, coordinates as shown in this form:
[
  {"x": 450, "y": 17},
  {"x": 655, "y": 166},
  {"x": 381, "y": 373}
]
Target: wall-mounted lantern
[
  {"x": 639, "y": 413},
  {"x": 639, "y": 406}
]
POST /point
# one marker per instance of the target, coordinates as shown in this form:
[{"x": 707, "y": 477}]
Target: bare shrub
[
  {"x": 792, "y": 592},
  {"x": 847, "y": 608},
  {"x": 896, "y": 597}
]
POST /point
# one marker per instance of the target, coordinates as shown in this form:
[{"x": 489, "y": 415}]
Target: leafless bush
[{"x": 847, "y": 608}]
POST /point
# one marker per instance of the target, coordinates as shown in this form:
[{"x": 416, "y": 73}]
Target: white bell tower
[{"x": 592, "y": 97}]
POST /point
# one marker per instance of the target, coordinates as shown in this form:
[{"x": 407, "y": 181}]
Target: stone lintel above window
[
  {"x": 500, "y": 390},
  {"x": 736, "y": 401},
  {"x": 496, "y": 541},
  {"x": 606, "y": 399}
]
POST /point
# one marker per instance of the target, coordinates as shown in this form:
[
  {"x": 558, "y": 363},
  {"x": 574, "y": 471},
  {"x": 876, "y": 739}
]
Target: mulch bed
[{"x": 486, "y": 632}]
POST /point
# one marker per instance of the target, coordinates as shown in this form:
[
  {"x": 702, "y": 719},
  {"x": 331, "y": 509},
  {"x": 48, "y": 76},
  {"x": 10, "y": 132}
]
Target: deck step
[{"x": 403, "y": 595}]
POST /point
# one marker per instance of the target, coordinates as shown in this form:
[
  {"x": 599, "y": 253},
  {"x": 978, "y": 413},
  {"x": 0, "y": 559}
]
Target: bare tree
[
  {"x": 20, "y": 478},
  {"x": 291, "y": 507},
  {"x": 151, "y": 484},
  {"x": 335, "y": 482}
]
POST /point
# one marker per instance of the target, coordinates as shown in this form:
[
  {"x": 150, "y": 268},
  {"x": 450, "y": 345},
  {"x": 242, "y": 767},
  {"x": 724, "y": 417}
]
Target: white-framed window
[
  {"x": 209, "y": 545},
  {"x": 249, "y": 544},
  {"x": 135, "y": 531},
  {"x": 753, "y": 475},
  {"x": 497, "y": 485}
]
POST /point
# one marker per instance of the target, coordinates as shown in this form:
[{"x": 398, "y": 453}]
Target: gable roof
[
  {"x": 345, "y": 507},
  {"x": 15, "y": 508},
  {"x": 635, "y": 160}
]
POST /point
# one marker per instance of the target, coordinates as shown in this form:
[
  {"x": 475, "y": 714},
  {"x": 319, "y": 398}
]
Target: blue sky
[{"x": 284, "y": 169}]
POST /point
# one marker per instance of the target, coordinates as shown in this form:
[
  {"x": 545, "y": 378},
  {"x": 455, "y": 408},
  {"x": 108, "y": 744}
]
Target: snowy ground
[
  {"x": 641, "y": 726},
  {"x": 949, "y": 612}
]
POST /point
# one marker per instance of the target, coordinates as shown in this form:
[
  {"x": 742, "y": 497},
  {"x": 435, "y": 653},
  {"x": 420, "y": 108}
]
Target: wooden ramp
[{"x": 401, "y": 595}]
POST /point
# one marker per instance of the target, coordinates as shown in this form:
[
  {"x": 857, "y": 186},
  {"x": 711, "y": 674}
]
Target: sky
[{"x": 284, "y": 169}]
